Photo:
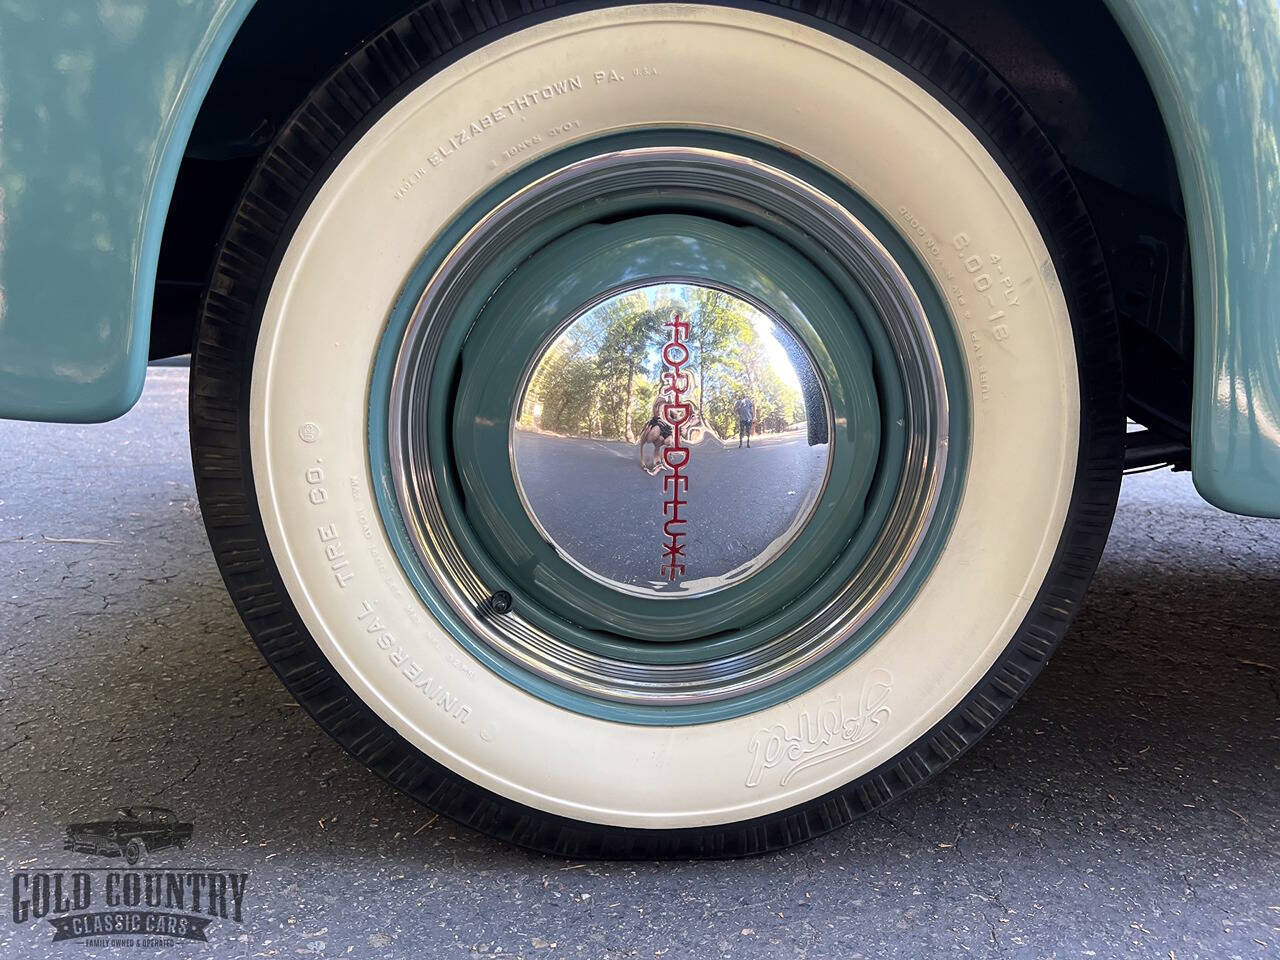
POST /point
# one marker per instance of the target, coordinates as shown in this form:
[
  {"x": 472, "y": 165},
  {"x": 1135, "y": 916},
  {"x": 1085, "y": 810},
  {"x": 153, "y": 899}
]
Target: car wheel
[
  {"x": 134, "y": 851},
  {"x": 474, "y": 590}
]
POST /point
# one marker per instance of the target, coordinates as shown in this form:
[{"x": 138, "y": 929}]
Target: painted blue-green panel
[
  {"x": 1215, "y": 68},
  {"x": 97, "y": 99}
]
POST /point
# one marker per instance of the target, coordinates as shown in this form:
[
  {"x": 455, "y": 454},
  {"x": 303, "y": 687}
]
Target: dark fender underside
[{"x": 1065, "y": 59}]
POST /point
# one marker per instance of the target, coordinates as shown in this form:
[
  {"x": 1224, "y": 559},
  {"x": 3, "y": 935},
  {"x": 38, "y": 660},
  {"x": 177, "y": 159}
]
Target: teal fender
[
  {"x": 97, "y": 102},
  {"x": 1214, "y": 66}
]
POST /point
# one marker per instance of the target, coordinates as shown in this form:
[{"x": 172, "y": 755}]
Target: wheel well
[{"x": 1065, "y": 59}]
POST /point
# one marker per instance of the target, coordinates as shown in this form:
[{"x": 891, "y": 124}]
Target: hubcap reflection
[{"x": 671, "y": 440}]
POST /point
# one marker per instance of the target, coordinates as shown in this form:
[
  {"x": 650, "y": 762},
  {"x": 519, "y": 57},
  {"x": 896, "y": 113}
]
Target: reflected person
[
  {"x": 746, "y": 412},
  {"x": 658, "y": 433}
]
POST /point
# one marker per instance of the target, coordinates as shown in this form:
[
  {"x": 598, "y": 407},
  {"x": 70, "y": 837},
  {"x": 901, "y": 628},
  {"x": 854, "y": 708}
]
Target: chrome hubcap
[{"x": 626, "y": 439}]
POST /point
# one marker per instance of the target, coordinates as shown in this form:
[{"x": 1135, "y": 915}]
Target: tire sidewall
[{"x": 280, "y": 459}]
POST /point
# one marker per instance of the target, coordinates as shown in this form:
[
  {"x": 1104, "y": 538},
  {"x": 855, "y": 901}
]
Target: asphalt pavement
[{"x": 1128, "y": 807}]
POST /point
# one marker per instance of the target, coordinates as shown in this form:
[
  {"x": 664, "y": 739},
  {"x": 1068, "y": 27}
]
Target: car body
[
  {"x": 447, "y": 268},
  {"x": 103, "y": 107},
  {"x": 155, "y": 828}
]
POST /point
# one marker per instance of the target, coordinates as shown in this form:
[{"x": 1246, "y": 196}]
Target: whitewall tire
[{"x": 438, "y": 113}]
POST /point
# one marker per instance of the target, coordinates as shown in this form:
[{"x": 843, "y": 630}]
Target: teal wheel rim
[{"x": 459, "y": 603}]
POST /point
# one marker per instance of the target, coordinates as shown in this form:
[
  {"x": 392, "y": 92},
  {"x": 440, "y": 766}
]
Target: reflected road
[{"x": 601, "y": 508}]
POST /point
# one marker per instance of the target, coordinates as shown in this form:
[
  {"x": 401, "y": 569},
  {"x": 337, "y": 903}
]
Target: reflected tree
[{"x": 600, "y": 377}]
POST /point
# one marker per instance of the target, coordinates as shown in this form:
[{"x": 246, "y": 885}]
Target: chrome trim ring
[{"x": 729, "y": 181}]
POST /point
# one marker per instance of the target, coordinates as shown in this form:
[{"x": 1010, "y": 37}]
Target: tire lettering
[
  {"x": 408, "y": 668},
  {"x": 822, "y": 733},
  {"x": 335, "y": 554}
]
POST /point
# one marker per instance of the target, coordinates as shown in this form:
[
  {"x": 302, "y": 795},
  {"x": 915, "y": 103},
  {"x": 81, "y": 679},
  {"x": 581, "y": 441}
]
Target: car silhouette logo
[{"x": 133, "y": 834}]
